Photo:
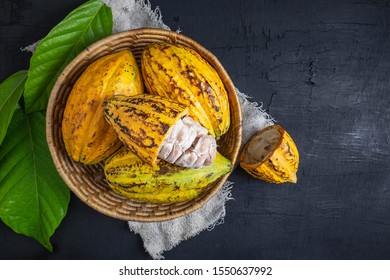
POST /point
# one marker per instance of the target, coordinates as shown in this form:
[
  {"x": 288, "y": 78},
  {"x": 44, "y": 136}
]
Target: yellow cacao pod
[
  {"x": 142, "y": 122},
  {"x": 87, "y": 136},
  {"x": 271, "y": 155},
  {"x": 131, "y": 177},
  {"x": 180, "y": 73}
]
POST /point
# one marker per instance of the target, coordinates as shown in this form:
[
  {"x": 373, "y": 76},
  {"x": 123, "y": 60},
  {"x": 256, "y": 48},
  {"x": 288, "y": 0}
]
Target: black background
[{"x": 322, "y": 70}]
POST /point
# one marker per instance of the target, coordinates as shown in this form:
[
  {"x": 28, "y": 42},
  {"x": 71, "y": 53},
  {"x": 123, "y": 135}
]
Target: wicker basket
[{"x": 87, "y": 182}]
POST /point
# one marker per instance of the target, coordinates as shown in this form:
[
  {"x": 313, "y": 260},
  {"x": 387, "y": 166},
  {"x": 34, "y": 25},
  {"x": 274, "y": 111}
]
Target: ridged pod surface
[
  {"x": 131, "y": 177},
  {"x": 271, "y": 155},
  {"x": 142, "y": 122},
  {"x": 87, "y": 136},
  {"x": 180, "y": 73}
]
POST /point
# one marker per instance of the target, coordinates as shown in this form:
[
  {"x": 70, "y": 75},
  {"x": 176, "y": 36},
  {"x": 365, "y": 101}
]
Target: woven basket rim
[{"x": 107, "y": 42}]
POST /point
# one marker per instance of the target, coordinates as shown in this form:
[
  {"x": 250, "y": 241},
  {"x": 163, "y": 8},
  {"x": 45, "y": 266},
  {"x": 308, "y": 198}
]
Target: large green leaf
[
  {"x": 85, "y": 25},
  {"x": 10, "y": 91},
  {"x": 33, "y": 197}
]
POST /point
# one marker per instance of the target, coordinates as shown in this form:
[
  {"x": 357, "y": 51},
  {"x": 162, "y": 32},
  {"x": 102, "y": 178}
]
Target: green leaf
[
  {"x": 85, "y": 25},
  {"x": 10, "y": 91},
  {"x": 33, "y": 197}
]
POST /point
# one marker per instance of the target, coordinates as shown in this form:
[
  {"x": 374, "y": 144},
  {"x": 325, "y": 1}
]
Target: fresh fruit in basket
[
  {"x": 169, "y": 133},
  {"x": 271, "y": 155},
  {"x": 155, "y": 127},
  {"x": 181, "y": 74},
  {"x": 131, "y": 177},
  {"x": 87, "y": 136}
]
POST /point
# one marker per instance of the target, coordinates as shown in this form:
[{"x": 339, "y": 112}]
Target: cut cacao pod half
[
  {"x": 154, "y": 128},
  {"x": 271, "y": 155}
]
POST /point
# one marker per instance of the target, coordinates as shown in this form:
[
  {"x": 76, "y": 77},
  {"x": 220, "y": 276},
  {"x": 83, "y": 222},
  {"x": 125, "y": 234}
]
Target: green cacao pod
[
  {"x": 131, "y": 177},
  {"x": 87, "y": 136},
  {"x": 181, "y": 74}
]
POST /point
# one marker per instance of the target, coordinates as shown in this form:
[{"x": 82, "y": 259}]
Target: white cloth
[{"x": 159, "y": 237}]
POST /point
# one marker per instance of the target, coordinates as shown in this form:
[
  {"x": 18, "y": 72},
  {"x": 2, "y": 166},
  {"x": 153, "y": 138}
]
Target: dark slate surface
[{"x": 321, "y": 69}]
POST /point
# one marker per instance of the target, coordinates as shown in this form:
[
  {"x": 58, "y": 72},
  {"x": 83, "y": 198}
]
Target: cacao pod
[
  {"x": 131, "y": 177},
  {"x": 87, "y": 136},
  {"x": 154, "y": 127},
  {"x": 271, "y": 155},
  {"x": 181, "y": 74},
  {"x": 142, "y": 122}
]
